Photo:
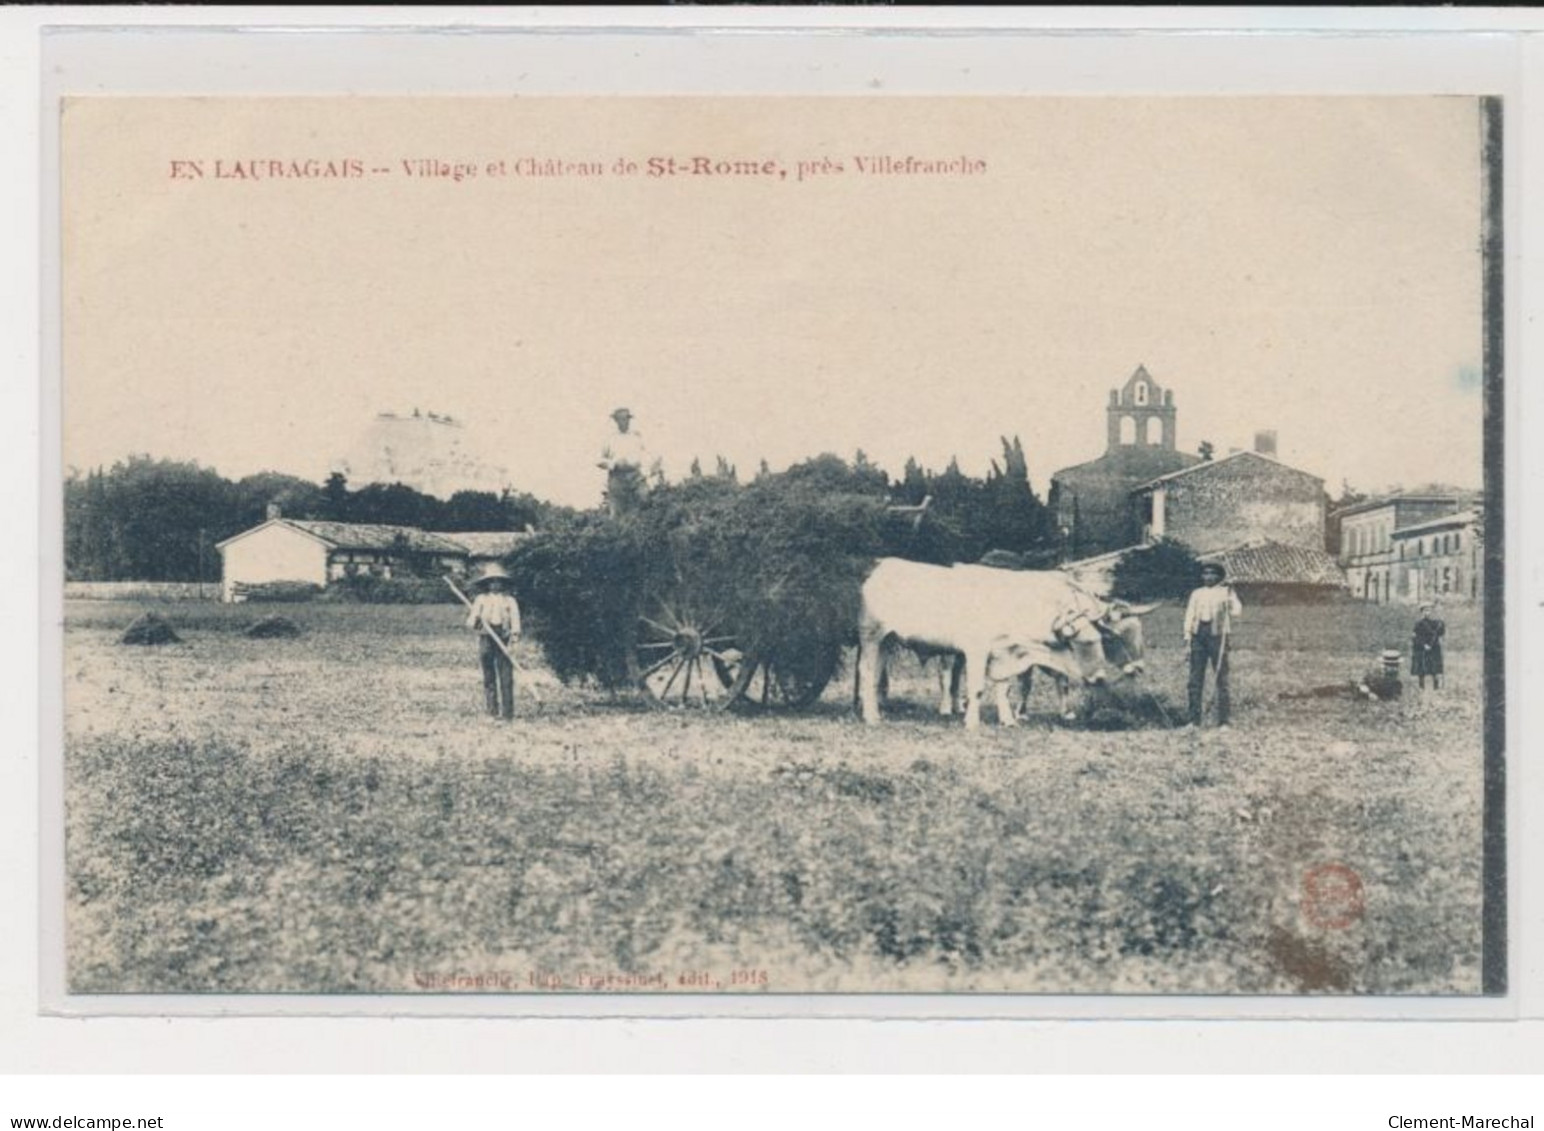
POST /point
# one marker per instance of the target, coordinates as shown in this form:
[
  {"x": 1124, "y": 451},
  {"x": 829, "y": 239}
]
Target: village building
[
  {"x": 1246, "y": 497},
  {"x": 1276, "y": 573},
  {"x": 1092, "y": 501},
  {"x": 1440, "y": 559},
  {"x": 316, "y": 552},
  {"x": 1370, "y": 546},
  {"x": 1263, "y": 520}
]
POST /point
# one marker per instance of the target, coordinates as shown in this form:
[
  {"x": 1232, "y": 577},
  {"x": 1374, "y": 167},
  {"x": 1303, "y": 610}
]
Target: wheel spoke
[
  {"x": 658, "y": 644},
  {"x": 657, "y": 665},
  {"x": 686, "y": 687},
  {"x": 664, "y": 691},
  {"x": 654, "y": 624}
]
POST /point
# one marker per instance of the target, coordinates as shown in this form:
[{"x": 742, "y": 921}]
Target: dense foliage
[
  {"x": 777, "y": 564},
  {"x": 1166, "y": 569},
  {"x": 159, "y": 520},
  {"x": 969, "y": 517}
]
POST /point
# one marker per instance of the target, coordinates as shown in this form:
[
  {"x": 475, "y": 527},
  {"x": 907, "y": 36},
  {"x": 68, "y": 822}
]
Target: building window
[
  {"x": 1141, "y": 392},
  {"x": 1150, "y": 430},
  {"x": 1128, "y": 430}
]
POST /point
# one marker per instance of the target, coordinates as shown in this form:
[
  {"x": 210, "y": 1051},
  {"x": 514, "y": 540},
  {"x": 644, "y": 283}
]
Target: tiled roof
[
  {"x": 1277, "y": 563},
  {"x": 373, "y": 536},
  {"x": 1224, "y": 462}
]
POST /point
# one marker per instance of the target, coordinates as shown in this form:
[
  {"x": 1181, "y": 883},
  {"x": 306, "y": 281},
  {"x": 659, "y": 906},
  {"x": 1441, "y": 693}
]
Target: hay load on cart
[{"x": 712, "y": 593}]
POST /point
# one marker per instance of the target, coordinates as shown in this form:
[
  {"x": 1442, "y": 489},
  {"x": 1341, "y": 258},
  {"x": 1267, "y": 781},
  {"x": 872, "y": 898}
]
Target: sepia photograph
[{"x": 755, "y": 545}]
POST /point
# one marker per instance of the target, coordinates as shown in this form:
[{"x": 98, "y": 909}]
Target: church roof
[{"x": 1137, "y": 463}]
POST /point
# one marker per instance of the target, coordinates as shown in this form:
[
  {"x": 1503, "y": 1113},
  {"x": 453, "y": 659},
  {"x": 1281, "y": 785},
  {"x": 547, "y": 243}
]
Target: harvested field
[{"x": 336, "y": 815}]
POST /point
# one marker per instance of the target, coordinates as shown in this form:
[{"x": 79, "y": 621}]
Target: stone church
[
  {"x": 1092, "y": 501},
  {"x": 1263, "y": 520}
]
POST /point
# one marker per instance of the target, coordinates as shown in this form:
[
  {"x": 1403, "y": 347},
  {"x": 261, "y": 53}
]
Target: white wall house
[
  {"x": 316, "y": 552},
  {"x": 275, "y": 551}
]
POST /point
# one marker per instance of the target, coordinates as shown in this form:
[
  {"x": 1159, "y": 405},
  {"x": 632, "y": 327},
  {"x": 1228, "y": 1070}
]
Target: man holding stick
[
  {"x": 1209, "y": 618},
  {"x": 495, "y": 617}
]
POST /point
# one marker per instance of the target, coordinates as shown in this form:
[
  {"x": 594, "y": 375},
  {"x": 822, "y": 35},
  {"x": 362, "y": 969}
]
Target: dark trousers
[
  {"x": 498, "y": 678},
  {"x": 1208, "y": 651}
]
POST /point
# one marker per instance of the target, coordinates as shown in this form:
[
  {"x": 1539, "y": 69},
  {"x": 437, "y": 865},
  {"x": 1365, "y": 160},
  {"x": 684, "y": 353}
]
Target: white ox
[{"x": 1002, "y": 623}]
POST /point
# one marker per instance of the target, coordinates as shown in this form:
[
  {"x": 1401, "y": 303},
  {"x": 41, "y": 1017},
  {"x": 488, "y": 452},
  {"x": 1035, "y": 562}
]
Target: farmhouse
[
  {"x": 1391, "y": 551},
  {"x": 318, "y": 552}
]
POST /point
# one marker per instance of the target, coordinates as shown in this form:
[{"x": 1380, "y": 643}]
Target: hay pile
[
  {"x": 274, "y": 628},
  {"x": 150, "y": 628},
  {"x": 1123, "y": 706}
]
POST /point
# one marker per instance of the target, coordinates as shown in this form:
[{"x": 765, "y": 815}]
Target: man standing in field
[
  {"x": 1208, "y": 623},
  {"x": 494, "y": 613},
  {"x": 624, "y": 458}
]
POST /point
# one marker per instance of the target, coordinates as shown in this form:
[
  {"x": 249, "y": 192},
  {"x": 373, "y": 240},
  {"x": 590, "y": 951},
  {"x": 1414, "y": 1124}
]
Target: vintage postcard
[{"x": 780, "y": 545}]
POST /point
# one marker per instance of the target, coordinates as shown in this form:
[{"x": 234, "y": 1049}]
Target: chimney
[
  {"x": 1265, "y": 443},
  {"x": 275, "y": 511}
]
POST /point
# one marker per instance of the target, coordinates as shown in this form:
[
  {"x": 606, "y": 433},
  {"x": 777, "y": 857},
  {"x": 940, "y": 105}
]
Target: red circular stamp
[{"x": 1332, "y": 896}]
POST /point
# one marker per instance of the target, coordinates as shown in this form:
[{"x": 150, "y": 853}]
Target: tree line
[{"x": 147, "y": 519}]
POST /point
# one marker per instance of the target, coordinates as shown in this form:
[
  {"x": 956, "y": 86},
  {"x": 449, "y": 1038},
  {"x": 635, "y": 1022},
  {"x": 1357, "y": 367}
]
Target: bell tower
[{"x": 1141, "y": 414}]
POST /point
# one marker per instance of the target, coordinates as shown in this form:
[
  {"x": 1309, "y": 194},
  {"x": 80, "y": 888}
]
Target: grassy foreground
[{"x": 331, "y": 814}]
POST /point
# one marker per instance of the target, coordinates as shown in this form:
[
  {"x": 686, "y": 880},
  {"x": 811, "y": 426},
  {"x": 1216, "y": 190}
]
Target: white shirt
[
  {"x": 624, "y": 449},
  {"x": 496, "y": 611},
  {"x": 1213, "y": 605}
]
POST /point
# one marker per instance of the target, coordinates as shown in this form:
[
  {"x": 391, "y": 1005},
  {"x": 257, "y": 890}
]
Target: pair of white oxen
[{"x": 1001, "y": 623}]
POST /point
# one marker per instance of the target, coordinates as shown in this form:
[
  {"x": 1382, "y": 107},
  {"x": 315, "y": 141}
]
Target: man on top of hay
[
  {"x": 624, "y": 459},
  {"x": 1208, "y": 624},
  {"x": 494, "y": 613}
]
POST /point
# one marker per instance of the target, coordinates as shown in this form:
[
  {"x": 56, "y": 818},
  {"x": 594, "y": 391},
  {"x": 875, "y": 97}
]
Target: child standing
[
  {"x": 494, "y": 611},
  {"x": 1426, "y": 648}
]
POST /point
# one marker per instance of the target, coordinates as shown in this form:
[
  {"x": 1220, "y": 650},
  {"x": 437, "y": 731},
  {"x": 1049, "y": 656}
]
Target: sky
[{"x": 1307, "y": 265}]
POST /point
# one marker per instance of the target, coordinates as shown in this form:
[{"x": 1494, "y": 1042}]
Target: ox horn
[{"x": 1136, "y": 610}]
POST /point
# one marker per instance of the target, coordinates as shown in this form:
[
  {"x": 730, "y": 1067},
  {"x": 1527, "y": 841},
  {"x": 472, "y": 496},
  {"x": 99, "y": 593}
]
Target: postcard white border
[{"x": 285, "y": 52}]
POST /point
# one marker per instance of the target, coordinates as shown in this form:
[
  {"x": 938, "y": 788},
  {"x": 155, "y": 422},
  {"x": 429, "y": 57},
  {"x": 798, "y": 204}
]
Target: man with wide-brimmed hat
[
  {"x": 1209, "y": 618},
  {"x": 494, "y": 613},
  {"x": 624, "y": 460}
]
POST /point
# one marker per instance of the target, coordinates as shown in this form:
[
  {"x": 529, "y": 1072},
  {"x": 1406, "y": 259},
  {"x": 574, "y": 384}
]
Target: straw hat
[
  {"x": 618, "y": 414},
  {"x": 1213, "y": 567},
  {"x": 491, "y": 572}
]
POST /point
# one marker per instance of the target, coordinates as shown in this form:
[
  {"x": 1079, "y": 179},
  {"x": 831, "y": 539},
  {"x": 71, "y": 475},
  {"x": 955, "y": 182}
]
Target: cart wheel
[
  {"x": 784, "y": 684},
  {"x": 682, "y": 656}
]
